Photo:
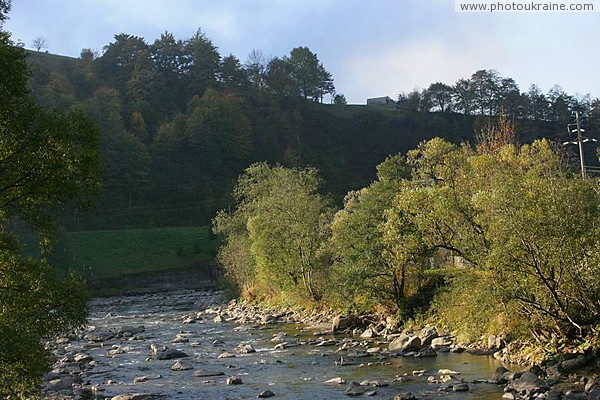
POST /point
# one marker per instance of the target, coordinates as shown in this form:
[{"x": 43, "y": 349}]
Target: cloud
[{"x": 393, "y": 70}]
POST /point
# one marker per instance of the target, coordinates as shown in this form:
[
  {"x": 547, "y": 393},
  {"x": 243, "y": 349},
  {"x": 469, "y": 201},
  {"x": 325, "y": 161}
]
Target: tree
[
  {"x": 305, "y": 71},
  {"x": 440, "y": 96},
  {"x": 48, "y": 159},
  {"x": 231, "y": 73},
  {"x": 526, "y": 247},
  {"x": 256, "y": 65},
  {"x": 339, "y": 99},
  {"x": 117, "y": 63},
  {"x": 537, "y": 104},
  {"x": 284, "y": 221},
  {"x": 88, "y": 54},
  {"x": 326, "y": 85},
  {"x": 464, "y": 96},
  {"x": 510, "y": 100},
  {"x": 279, "y": 79},
  {"x": 364, "y": 279},
  {"x": 39, "y": 43},
  {"x": 560, "y": 105},
  {"x": 484, "y": 84},
  {"x": 202, "y": 63},
  {"x": 219, "y": 132}
]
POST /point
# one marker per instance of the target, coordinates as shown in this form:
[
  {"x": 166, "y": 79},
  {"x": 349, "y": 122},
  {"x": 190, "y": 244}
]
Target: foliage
[
  {"x": 47, "y": 159},
  {"x": 275, "y": 234},
  {"x": 363, "y": 278},
  {"x": 517, "y": 218},
  {"x": 34, "y": 303}
]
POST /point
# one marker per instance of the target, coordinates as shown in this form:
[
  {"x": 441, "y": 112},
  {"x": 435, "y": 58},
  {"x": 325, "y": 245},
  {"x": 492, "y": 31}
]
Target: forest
[{"x": 179, "y": 122}]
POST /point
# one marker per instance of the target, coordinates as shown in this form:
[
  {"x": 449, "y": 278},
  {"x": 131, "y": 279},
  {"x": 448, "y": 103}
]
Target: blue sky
[{"x": 372, "y": 47}]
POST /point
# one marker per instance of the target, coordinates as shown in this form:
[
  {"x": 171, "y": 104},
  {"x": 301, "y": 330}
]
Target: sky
[{"x": 372, "y": 47}]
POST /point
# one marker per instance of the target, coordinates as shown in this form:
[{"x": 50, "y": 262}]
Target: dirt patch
[{"x": 192, "y": 277}]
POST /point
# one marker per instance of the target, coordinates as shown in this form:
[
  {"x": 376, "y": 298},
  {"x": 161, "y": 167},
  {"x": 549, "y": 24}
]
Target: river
[{"x": 297, "y": 372}]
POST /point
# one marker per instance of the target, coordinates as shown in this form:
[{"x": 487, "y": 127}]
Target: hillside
[{"x": 172, "y": 157}]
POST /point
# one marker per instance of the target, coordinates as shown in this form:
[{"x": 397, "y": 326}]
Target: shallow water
[{"x": 292, "y": 373}]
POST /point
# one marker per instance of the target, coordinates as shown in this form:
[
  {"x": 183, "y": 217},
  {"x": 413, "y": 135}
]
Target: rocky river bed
[{"x": 194, "y": 345}]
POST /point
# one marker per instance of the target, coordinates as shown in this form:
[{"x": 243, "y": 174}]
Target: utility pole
[
  {"x": 580, "y": 143},
  {"x": 576, "y": 128}
]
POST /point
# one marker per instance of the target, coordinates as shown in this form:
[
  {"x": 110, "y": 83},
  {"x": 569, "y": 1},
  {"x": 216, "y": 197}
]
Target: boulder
[
  {"x": 342, "y": 323},
  {"x": 426, "y": 351},
  {"x": 405, "y": 343},
  {"x": 575, "y": 363},
  {"x": 265, "y": 394},
  {"x": 367, "y": 334},
  {"x": 498, "y": 376},
  {"x": 528, "y": 384},
  {"x": 442, "y": 341},
  {"x": 427, "y": 335}
]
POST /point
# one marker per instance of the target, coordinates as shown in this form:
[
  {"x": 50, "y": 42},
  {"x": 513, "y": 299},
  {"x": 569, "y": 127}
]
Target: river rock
[
  {"x": 335, "y": 381},
  {"x": 226, "y": 355},
  {"x": 343, "y": 323},
  {"x": 355, "y": 389},
  {"x": 405, "y": 343},
  {"x": 170, "y": 354},
  {"x": 367, "y": 334},
  {"x": 181, "y": 366},
  {"x": 145, "y": 378},
  {"x": 128, "y": 331},
  {"x": 99, "y": 336},
  {"x": 528, "y": 384},
  {"x": 279, "y": 337},
  {"x": 594, "y": 394},
  {"x": 427, "y": 335},
  {"x": 138, "y": 396},
  {"x": 442, "y": 341},
  {"x": 245, "y": 349},
  {"x": 445, "y": 371},
  {"x": 426, "y": 351},
  {"x": 157, "y": 348},
  {"x": 266, "y": 394},
  {"x": 406, "y": 396},
  {"x": 498, "y": 376},
  {"x": 460, "y": 387},
  {"x": 233, "y": 380},
  {"x": 204, "y": 374},
  {"x": 575, "y": 363},
  {"x": 82, "y": 358}
]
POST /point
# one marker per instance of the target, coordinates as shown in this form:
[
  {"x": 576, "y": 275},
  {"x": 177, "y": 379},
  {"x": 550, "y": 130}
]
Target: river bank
[{"x": 193, "y": 344}]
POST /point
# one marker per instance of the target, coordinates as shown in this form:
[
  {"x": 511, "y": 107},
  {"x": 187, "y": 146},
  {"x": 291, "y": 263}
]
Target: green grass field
[{"x": 103, "y": 254}]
